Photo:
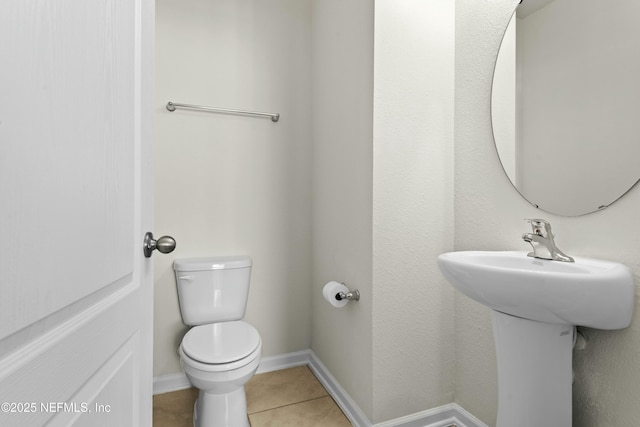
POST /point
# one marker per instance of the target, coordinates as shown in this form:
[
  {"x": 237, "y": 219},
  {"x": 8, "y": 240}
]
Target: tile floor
[{"x": 288, "y": 398}]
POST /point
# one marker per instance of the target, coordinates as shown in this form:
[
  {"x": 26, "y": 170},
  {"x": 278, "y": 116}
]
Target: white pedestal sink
[{"x": 537, "y": 304}]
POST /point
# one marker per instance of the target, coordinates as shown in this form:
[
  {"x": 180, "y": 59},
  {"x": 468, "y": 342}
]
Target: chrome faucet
[{"x": 541, "y": 239}]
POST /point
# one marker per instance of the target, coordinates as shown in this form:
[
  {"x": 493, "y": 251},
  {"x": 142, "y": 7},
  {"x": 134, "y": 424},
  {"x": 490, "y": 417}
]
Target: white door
[{"x": 75, "y": 201}]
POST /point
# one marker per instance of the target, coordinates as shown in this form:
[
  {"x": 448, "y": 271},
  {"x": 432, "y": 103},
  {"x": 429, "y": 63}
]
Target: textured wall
[
  {"x": 383, "y": 211},
  {"x": 235, "y": 185},
  {"x": 489, "y": 215},
  {"x": 342, "y": 94},
  {"x": 412, "y": 206}
]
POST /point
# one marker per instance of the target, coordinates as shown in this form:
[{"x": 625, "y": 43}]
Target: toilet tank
[{"x": 213, "y": 289}]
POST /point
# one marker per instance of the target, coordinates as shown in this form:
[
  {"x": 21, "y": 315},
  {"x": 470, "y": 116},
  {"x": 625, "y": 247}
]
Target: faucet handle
[
  {"x": 540, "y": 227},
  {"x": 542, "y": 241}
]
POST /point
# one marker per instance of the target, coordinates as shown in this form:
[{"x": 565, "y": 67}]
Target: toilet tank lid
[{"x": 212, "y": 263}]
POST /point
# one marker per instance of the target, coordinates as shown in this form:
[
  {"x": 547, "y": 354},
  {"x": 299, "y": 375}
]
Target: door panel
[
  {"x": 75, "y": 142},
  {"x": 67, "y": 95},
  {"x": 115, "y": 383},
  {"x": 54, "y": 368}
]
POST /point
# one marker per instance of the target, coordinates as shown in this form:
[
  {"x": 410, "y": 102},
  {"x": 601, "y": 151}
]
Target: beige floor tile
[
  {"x": 274, "y": 389},
  {"x": 174, "y": 409},
  {"x": 321, "y": 412}
]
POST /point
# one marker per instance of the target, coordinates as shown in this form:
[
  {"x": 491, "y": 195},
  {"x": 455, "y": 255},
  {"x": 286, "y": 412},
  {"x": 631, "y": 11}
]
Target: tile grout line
[{"x": 295, "y": 403}]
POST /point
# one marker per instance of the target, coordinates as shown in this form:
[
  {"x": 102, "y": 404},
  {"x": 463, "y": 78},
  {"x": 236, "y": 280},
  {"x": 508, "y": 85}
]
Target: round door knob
[{"x": 164, "y": 244}]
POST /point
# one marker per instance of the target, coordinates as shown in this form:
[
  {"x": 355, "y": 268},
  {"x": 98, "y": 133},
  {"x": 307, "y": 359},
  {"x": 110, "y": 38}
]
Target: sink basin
[
  {"x": 587, "y": 292},
  {"x": 537, "y": 304}
]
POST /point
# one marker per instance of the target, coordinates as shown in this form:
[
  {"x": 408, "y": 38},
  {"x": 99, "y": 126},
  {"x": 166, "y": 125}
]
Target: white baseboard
[
  {"x": 442, "y": 416},
  {"x": 342, "y": 398},
  {"x": 466, "y": 419},
  {"x": 170, "y": 382},
  {"x": 450, "y": 415},
  {"x": 284, "y": 361}
]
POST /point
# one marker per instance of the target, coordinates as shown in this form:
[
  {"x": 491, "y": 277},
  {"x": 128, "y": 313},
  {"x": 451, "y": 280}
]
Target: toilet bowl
[
  {"x": 220, "y": 353},
  {"x": 220, "y": 375}
]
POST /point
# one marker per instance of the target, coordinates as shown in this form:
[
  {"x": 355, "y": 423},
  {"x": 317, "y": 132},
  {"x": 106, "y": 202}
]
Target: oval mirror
[{"x": 566, "y": 103}]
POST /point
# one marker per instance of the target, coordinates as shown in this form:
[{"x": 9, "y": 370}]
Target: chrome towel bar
[{"x": 171, "y": 106}]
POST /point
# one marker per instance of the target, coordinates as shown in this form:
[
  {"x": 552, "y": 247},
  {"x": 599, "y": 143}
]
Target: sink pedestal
[
  {"x": 534, "y": 341},
  {"x": 534, "y": 372}
]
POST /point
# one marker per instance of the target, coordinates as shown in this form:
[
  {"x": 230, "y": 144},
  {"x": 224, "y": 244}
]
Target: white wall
[
  {"x": 229, "y": 184},
  {"x": 488, "y": 215},
  {"x": 382, "y": 199},
  {"x": 342, "y": 94},
  {"x": 382, "y": 205},
  {"x": 413, "y": 326},
  {"x": 235, "y": 185}
]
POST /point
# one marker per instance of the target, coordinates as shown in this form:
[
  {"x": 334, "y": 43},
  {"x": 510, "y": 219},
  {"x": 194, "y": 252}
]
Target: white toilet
[{"x": 220, "y": 353}]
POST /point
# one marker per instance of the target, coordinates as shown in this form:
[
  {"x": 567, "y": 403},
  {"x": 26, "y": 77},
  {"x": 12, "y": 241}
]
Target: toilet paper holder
[{"x": 351, "y": 295}]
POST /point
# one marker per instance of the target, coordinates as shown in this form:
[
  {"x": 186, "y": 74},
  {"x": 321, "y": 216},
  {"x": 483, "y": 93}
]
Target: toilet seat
[{"x": 221, "y": 343}]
